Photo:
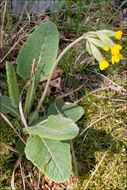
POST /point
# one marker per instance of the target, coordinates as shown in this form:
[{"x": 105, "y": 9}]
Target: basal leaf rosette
[{"x": 102, "y": 40}]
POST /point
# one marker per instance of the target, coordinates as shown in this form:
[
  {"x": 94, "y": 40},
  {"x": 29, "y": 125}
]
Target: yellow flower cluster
[
  {"x": 116, "y": 55},
  {"x": 115, "y": 51},
  {"x": 103, "y": 65}
]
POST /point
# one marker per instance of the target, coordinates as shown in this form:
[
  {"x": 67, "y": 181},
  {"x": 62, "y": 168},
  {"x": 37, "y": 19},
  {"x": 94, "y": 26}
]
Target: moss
[{"x": 7, "y": 158}]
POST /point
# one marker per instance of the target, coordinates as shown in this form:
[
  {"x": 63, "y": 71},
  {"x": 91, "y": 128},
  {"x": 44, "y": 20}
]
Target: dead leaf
[{"x": 56, "y": 83}]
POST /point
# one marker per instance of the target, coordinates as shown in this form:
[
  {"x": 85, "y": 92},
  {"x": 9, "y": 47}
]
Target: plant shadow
[{"x": 96, "y": 141}]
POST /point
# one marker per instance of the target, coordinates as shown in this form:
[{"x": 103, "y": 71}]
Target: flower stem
[{"x": 51, "y": 74}]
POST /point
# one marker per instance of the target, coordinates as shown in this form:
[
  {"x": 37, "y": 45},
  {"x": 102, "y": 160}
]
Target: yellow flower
[
  {"x": 114, "y": 50},
  {"x": 120, "y": 56},
  {"x": 119, "y": 47},
  {"x": 106, "y": 48},
  {"x": 103, "y": 65},
  {"x": 118, "y": 35},
  {"x": 116, "y": 58}
]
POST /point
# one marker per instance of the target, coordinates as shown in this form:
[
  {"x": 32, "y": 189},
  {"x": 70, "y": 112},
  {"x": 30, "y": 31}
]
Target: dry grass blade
[
  {"x": 39, "y": 177},
  {"x": 23, "y": 178},
  {"x": 113, "y": 99},
  {"x": 11, "y": 48},
  {"x": 22, "y": 115},
  {"x": 20, "y": 107},
  {"x": 10, "y": 148},
  {"x": 24, "y": 9},
  {"x": 13, "y": 173},
  {"x": 3, "y": 18}
]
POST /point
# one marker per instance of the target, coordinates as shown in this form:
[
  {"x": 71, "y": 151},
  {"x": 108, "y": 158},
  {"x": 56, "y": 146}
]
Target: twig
[
  {"x": 9, "y": 123},
  {"x": 13, "y": 173},
  {"x": 91, "y": 125}
]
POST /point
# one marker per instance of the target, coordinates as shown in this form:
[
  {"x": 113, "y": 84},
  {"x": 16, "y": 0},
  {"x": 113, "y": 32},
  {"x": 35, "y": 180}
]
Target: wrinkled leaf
[
  {"x": 12, "y": 83},
  {"x": 42, "y": 42},
  {"x": 7, "y": 107},
  {"x": 72, "y": 111},
  {"x": 52, "y": 157},
  {"x": 55, "y": 127}
]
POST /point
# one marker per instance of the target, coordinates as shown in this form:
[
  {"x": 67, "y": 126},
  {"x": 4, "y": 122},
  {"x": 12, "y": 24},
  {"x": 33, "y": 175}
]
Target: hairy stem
[{"x": 50, "y": 76}]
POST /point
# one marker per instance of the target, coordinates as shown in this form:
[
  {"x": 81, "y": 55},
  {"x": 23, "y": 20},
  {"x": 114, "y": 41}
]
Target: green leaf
[
  {"x": 31, "y": 92},
  {"x": 97, "y": 42},
  {"x": 52, "y": 157},
  {"x": 91, "y": 34},
  {"x": 42, "y": 42},
  {"x": 55, "y": 127},
  {"x": 108, "y": 33},
  {"x": 88, "y": 48},
  {"x": 13, "y": 87},
  {"x": 7, "y": 107},
  {"x": 72, "y": 111},
  {"x": 96, "y": 53},
  {"x": 20, "y": 146},
  {"x": 105, "y": 40}
]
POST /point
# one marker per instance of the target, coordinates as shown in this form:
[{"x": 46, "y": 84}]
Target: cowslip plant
[
  {"x": 47, "y": 146},
  {"x": 102, "y": 39}
]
